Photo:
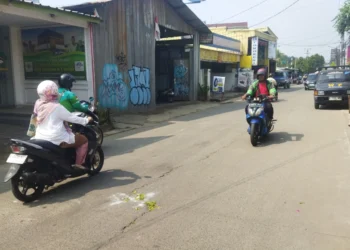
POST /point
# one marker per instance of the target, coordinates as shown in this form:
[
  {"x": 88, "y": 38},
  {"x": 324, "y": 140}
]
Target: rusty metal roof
[
  {"x": 63, "y": 9},
  {"x": 188, "y": 16},
  {"x": 180, "y": 8}
]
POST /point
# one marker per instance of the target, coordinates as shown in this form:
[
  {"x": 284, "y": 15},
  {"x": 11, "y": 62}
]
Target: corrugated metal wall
[{"x": 125, "y": 39}]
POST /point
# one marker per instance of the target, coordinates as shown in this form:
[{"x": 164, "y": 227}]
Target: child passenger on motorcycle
[
  {"x": 262, "y": 87},
  {"x": 51, "y": 118}
]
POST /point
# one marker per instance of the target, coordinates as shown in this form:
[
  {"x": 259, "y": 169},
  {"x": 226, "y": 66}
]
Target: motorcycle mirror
[{"x": 91, "y": 99}]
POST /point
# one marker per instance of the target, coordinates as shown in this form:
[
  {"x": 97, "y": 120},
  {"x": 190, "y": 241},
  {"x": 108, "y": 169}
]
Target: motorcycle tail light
[{"x": 17, "y": 149}]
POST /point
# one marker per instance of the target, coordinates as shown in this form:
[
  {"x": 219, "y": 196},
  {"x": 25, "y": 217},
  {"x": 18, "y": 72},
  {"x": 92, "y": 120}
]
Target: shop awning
[{"x": 211, "y": 54}]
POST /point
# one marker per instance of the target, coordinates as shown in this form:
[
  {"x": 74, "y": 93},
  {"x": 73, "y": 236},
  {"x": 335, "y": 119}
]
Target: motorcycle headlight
[
  {"x": 250, "y": 111},
  {"x": 254, "y": 111},
  {"x": 258, "y": 112}
]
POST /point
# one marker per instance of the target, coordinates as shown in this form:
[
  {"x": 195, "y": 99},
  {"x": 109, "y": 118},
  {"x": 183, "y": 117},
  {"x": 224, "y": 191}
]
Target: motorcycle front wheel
[
  {"x": 22, "y": 191},
  {"x": 97, "y": 162},
  {"x": 99, "y": 135},
  {"x": 254, "y": 134}
]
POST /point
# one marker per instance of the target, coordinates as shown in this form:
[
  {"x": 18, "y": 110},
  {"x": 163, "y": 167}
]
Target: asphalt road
[{"x": 212, "y": 188}]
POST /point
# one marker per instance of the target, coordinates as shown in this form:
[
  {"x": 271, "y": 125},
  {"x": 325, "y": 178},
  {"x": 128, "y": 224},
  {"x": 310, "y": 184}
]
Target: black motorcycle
[
  {"x": 92, "y": 112},
  {"x": 39, "y": 164},
  {"x": 167, "y": 95}
]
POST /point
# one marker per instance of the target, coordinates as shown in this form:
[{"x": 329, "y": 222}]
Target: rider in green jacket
[
  {"x": 262, "y": 87},
  {"x": 68, "y": 99}
]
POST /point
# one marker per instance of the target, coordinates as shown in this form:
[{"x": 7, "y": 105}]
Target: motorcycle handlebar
[{"x": 261, "y": 97}]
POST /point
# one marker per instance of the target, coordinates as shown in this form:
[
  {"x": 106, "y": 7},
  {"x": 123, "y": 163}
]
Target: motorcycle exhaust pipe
[{"x": 32, "y": 178}]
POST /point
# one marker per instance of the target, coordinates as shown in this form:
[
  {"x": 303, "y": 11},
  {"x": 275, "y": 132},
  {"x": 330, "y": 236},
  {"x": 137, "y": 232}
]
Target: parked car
[
  {"x": 310, "y": 82},
  {"x": 332, "y": 87},
  {"x": 282, "y": 79}
]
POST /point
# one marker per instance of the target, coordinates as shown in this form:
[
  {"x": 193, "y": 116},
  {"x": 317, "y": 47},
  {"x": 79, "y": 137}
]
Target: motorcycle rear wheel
[
  {"x": 22, "y": 195},
  {"x": 254, "y": 130}
]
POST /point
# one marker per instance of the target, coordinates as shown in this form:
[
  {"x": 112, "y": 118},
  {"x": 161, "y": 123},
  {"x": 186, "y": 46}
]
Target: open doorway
[{"x": 173, "y": 67}]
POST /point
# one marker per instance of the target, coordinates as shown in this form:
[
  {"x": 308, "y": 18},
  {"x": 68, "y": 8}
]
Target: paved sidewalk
[{"x": 165, "y": 113}]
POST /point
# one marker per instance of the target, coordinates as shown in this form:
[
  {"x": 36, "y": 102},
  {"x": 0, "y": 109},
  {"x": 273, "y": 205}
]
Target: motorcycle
[
  {"x": 259, "y": 123},
  {"x": 38, "y": 164},
  {"x": 92, "y": 112},
  {"x": 166, "y": 95}
]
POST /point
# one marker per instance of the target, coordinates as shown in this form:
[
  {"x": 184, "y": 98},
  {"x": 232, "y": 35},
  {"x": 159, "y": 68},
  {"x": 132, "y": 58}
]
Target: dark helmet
[
  {"x": 261, "y": 71},
  {"x": 66, "y": 81}
]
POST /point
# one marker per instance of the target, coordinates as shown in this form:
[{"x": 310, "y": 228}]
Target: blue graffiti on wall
[
  {"x": 181, "y": 82},
  {"x": 140, "y": 93},
  {"x": 113, "y": 92}
]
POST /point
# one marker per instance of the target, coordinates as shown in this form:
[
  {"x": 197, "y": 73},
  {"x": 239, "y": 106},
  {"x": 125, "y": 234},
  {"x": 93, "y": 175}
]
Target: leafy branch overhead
[{"x": 342, "y": 20}]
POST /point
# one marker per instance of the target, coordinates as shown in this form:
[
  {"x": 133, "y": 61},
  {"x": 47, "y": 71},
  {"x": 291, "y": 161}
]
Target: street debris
[
  {"x": 151, "y": 205},
  {"x": 142, "y": 200}
]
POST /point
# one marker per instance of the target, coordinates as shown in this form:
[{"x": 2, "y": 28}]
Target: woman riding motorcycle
[{"x": 51, "y": 122}]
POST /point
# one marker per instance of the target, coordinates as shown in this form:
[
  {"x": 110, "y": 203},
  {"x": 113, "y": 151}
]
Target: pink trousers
[{"x": 81, "y": 153}]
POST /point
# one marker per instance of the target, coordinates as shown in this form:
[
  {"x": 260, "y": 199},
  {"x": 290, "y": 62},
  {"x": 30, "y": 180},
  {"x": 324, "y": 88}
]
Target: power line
[
  {"x": 276, "y": 14},
  {"x": 318, "y": 45},
  {"x": 250, "y": 8},
  {"x": 311, "y": 38}
]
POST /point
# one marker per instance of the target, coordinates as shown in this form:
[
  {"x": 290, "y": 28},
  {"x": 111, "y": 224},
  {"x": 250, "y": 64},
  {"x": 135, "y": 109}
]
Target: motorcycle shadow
[
  {"x": 279, "y": 138},
  {"x": 76, "y": 188}
]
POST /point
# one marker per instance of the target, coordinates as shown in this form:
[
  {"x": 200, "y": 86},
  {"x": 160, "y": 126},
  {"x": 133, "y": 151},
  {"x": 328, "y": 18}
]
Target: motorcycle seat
[
  {"x": 26, "y": 143},
  {"x": 49, "y": 145}
]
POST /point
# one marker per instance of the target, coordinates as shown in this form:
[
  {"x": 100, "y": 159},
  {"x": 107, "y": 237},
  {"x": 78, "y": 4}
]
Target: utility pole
[
  {"x": 307, "y": 52},
  {"x": 342, "y": 54}
]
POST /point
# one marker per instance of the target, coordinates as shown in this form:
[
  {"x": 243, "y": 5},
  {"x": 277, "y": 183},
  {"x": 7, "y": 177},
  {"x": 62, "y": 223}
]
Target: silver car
[{"x": 310, "y": 82}]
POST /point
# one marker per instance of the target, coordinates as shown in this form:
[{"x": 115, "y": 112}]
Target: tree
[
  {"x": 342, "y": 20},
  {"x": 315, "y": 61},
  {"x": 302, "y": 64},
  {"x": 306, "y": 65},
  {"x": 282, "y": 59}
]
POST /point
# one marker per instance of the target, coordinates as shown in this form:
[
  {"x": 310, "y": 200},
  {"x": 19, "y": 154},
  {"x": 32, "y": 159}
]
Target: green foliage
[
  {"x": 306, "y": 65},
  {"x": 310, "y": 64},
  {"x": 342, "y": 20},
  {"x": 282, "y": 59},
  {"x": 203, "y": 91}
]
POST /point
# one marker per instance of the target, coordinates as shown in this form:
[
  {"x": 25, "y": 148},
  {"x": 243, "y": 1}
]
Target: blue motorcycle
[{"x": 260, "y": 124}]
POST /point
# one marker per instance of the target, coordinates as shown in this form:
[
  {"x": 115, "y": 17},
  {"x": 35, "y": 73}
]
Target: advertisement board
[
  {"x": 255, "y": 54},
  {"x": 219, "y": 84},
  {"x": 245, "y": 79},
  {"x": 272, "y": 50},
  {"x": 49, "y": 52}
]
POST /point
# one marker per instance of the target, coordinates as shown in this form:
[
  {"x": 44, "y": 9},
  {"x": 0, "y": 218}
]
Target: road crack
[{"x": 125, "y": 228}]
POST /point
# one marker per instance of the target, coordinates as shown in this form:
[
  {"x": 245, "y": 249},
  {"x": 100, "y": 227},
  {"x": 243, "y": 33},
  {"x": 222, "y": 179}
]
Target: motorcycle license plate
[
  {"x": 255, "y": 105},
  {"x": 17, "y": 159},
  {"x": 335, "y": 98}
]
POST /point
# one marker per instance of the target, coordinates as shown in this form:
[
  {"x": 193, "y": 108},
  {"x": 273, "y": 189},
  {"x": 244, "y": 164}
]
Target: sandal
[{"x": 79, "y": 167}]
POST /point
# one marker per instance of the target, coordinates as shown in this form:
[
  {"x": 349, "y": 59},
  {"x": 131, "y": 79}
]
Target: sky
[
  {"x": 306, "y": 25},
  {"x": 301, "y": 27}
]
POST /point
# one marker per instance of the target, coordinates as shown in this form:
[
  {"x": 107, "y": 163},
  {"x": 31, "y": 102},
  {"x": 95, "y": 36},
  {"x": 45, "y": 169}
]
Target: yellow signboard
[{"x": 215, "y": 56}]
